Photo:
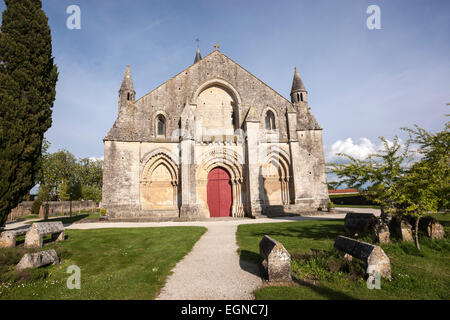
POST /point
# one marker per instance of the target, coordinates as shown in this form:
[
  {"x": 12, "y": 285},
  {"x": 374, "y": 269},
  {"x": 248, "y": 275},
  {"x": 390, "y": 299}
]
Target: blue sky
[{"x": 362, "y": 83}]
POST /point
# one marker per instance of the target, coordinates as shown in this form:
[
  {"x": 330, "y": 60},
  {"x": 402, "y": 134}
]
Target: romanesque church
[{"x": 213, "y": 141}]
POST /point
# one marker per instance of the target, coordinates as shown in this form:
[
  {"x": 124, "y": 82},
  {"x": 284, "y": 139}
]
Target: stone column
[
  {"x": 188, "y": 164},
  {"x": 253, "y": 165},
  {"x": 294, "y": 153},
  {"x": 187, "y": 183}
]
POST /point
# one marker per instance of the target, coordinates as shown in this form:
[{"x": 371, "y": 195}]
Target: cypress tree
[{"x": 28, "y": 79}]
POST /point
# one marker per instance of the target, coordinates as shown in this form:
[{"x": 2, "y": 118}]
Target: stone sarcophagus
[
  {"x": 373, "y": 256},
  {"x": 8, "y": 238},
  {"x": 358, "y": 223},
  {"x": 276, "y": 260},
  {"x": 38, "y": 259},
  {"x": 35, "y": 236},
  {"x": 432, "y": 228}
]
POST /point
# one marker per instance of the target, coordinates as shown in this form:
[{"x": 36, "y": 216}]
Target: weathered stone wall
[
  {"x": 311, "y": 183},
  {"x": 55, "y": 208},
  {"x": 121, "y": 169},
  {"x": 22, "y": 210}
]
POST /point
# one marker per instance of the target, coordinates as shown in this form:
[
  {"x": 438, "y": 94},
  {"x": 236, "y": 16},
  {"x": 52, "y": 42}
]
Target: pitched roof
[
  {"x": 342, "y": 191},
  {"x": 204, "y": 58}
]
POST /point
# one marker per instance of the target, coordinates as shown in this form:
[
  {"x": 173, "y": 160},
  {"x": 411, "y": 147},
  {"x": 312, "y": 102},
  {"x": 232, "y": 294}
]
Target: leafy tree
[
  {"x": 91, "y": 177},
  {"x": 376, "y": 177},
  {"x": 28, "y": 78},
  {"x": 64, "y": 177},
  {"x": 398, "y": 185},
  {"x": 42, "y": 196},
  {"x": 71, "y": 190},
  {"x": 57, "y": 168},
  {"x": 435, "y": 163},
  {"x": 332, "y": 185},
  {"x": 426, "y": 186},
  {"x": 91, "y": 193}
]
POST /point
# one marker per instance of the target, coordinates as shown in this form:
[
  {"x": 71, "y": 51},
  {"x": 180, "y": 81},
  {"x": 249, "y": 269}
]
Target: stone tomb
[
  {"x": 358, "y": 223},
  {"x": 35, "y": 236},
  {"x": 277, "y": 260},
  {"x": 380, "y": 231},
  {"x": 38, "y": 259},
  {"x": 404, "y": 229},
  {"x": 8, "y": 238},
  {"x": 432, "y": 228},
  {"x": 372, "y": 255}
]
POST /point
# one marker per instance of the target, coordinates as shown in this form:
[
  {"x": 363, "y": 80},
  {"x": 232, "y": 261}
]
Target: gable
[{"x": 171, "y": 96}]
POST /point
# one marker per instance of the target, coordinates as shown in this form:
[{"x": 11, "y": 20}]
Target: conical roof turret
[
  {"x": 127, "y": 82},
  {"x": 297, "y": 83}
]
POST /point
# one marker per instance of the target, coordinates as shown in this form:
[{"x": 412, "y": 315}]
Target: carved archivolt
[
  {"x": 145, "y": 159},
  {"x": 276, "y": 168},
  {"x": 232, "y": 163},
  {"x": 220, "y": 157},
  {"x": 156, "y": 159},
  {"x": 159, "y": 183},
  {"x": 217, "y": 82}
]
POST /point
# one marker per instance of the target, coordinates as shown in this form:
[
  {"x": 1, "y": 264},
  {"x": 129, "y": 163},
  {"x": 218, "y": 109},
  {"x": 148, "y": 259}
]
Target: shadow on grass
[
  {"x": 47, "y": 240},
  {"x": 314, "y": 231},
  {"x": 250, "y": 262},
  {"x": 65, "y": 220},
  {"x": 324, "y": 291}
]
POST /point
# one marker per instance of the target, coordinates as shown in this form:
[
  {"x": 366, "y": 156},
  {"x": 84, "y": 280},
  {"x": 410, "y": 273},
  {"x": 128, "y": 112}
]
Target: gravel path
[
  {"x": 376, "y": 212},
  {"x": 212, "y": 270}
]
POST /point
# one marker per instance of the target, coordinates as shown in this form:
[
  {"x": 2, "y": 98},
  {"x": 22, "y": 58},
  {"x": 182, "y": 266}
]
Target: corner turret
[
  {"x": 126, "y": 91},
  {"x": 298, "y": 91}
]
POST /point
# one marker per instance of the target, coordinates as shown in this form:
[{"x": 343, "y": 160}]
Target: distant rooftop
[{"x": 343, "y": 191}]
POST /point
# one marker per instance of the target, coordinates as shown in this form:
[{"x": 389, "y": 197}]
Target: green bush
[
  {"x": 351, "y": 199},
  {"x": 36, "y": 206}
]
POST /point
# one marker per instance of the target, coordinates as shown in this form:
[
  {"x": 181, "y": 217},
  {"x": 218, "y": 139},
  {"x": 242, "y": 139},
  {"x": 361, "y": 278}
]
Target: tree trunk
[
  {"x": 70, "y": 206},
  {"x": 417, "y": 233}
]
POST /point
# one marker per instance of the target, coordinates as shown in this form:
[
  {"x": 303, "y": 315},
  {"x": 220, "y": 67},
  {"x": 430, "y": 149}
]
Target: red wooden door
[{"x": 219, "y": 193}]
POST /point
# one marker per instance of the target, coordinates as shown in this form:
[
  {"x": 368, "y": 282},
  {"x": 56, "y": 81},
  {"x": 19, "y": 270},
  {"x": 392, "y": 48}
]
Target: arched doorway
[{"x": 219, "y": 193}]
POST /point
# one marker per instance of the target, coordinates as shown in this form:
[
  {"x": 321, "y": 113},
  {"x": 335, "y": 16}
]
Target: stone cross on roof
[{"x": 216, "y": 46}]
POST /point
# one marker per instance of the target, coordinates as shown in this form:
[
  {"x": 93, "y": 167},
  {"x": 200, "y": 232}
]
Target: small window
[
  {"x": 298, "y": 96},
  {"x": 128, "y": 96},
  {"x": 270, "y": 120},
  {"x": 161, "y": 125}
]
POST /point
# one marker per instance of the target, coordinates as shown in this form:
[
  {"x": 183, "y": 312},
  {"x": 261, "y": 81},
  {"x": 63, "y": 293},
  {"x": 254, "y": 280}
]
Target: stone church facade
[{"x": 213, "y": 141}]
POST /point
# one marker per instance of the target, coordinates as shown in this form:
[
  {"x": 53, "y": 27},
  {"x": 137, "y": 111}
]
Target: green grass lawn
[
  {"x": 115, "y": 264},
  {"x": 416, "y": 275}
]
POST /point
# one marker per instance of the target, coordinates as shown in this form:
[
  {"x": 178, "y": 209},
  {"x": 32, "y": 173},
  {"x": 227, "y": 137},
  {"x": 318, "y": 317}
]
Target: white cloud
[
  {"x": 96, "y": 158},
  {"x": 359, "y": 151}
]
